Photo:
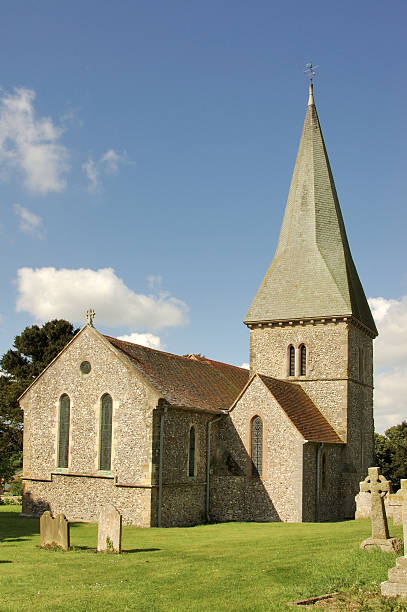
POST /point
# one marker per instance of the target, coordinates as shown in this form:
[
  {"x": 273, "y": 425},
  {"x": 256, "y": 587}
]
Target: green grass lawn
[{"x": 230, "y": 566}]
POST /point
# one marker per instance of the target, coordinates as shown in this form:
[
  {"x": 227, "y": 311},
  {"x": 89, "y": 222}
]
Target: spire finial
[{"x": 310, "y": 72}]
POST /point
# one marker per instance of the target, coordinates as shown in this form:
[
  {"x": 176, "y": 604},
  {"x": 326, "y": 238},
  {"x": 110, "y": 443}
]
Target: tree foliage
[
  {"x": 33, "y": 350},
  {"x": 391, "y": 453}
]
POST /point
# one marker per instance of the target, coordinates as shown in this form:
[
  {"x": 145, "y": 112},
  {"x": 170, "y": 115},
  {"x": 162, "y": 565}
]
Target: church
[{"x": 177, "y": 441}]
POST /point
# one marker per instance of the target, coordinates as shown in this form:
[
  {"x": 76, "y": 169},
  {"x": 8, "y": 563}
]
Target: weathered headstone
[
  {"x": 395, "y": 507},
  {"x": 54, "y": 531},
  {"x": 378, "y": 486},
  {"x": 397, "y": 582},
  {"x": 109, "y": 529}
]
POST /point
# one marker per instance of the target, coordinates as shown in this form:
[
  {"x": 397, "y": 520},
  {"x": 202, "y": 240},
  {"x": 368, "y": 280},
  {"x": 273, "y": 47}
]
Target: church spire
[{"x": 312, "y": 274}]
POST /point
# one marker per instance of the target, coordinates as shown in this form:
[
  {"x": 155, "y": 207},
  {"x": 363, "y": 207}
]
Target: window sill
[{"x": 61, "y": 470}]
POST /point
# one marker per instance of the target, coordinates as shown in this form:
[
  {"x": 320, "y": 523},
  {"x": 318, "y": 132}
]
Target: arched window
[
  {"x": 105, "y": 450},
  {"x": 323, "y": 471},
  {"x": 303, "y": 360},
  {"x": 291, "y": 361},
  {"x": 192, "y": 453},
  {"x": 63, "y": 430},
  {"x": 257, "y": 446}
]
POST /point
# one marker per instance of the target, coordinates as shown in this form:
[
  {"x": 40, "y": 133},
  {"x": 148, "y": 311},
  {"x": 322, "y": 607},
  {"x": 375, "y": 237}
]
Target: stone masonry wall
[
  {"x": 327, "y": 361},
  {"x": 183, "y": 499},
  {"x": 235, "y": 493},
  {"x": 133, "y": 405}
]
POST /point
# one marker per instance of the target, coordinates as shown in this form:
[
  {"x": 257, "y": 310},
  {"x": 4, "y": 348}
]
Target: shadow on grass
[
  {"x": 5, "y": 561},
  {"x": 124, "y": 551},
  {"x": 15, "y": 528}
]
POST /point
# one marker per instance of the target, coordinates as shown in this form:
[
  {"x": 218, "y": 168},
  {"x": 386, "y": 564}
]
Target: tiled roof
[
  {"x": 312, "y": 274},
  {"x": 189, "y": 382},
  {"x": 301, "y": 410}
]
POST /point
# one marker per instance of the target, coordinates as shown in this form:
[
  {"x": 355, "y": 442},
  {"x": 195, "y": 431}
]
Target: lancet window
[
  {"x": 257, "y": 446},
  {"x": 63, "y": 430},
  {"x": 192, "y": 452},
  {"x": 303, "y": 360},
  {"x": 291, "y": 361},
  {"x": 105, "y": 449}
]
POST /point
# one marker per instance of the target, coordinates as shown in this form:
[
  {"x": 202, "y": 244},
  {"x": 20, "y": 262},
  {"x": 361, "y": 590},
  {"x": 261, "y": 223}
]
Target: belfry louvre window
[
  {"x": 192, "y": 450},
  {"x": 63, "y": 431},
  {"x": 105, "y": 449},
  {"x": 303, "y": 360},
  {"x": 257, "y": 446},
  {"x": 291, "y": 361}
]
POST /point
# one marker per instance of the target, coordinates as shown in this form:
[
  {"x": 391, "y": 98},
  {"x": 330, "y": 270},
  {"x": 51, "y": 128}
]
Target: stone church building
[{"x": 173, "y": 440}]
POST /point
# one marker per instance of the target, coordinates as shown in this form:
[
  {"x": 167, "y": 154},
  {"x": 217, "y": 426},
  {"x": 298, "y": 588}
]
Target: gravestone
[
  {"x": 395, "y": 507},
  {"x": 378, "y": 486},
  {"x": 109, "y": 529},
  {"x": 54, "y": 531},
  {"x": 397, "y": 582}
]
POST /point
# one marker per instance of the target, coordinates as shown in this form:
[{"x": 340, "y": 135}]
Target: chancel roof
[
  {"x": 312, "y": 274},
  {"x": 187, "y": 382}
]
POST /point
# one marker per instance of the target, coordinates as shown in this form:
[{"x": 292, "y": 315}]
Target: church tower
[{"x": 310, "y": 322}]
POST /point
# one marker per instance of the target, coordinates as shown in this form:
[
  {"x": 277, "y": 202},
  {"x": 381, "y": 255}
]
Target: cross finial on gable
[{"x": 90, "y": 315}]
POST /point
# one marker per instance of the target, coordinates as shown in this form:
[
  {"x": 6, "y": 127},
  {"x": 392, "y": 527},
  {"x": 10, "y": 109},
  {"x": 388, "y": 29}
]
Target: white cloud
[
  {"x": 108, "y": 162},
  {"x": 30, "y": 144},
  {"x": 48, "y": 293},
  {"x": 245, "y": 365},
  {"x": 92, "y": 174},
  {"x": 30, "y": 223},
  {"x": 146, "y": 339},
  {"x": 390, "y": 359}
]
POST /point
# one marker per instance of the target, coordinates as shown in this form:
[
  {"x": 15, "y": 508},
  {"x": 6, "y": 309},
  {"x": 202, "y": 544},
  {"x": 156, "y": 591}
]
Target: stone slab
[
  {"x": 109, "y": 529},
  {"x": 54, "y": 531},
  {"x": 394, "y": 589},
  {"x": 391, "y": 545}
]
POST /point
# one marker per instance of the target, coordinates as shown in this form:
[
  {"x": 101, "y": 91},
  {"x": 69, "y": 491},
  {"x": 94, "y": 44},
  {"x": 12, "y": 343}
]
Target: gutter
[
  {"x": 317, "y": 489},
  {"x": 160, "y": 467},
  {"x": 208, "y": 465}
]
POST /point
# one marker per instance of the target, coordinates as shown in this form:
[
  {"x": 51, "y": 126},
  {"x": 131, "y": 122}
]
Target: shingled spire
[{"x": 312, "y": 274}]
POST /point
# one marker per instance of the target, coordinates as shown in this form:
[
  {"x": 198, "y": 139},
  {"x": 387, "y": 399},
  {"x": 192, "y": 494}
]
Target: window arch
[
  {"x": 192, "y": 453},
  {"x": 105, "y": 449},
  {"x": 63, "y": 430},
  {"x": 303, "y": 360},
  {"x": 257, "y": 446},
  {"x": 291, "y": 360}
]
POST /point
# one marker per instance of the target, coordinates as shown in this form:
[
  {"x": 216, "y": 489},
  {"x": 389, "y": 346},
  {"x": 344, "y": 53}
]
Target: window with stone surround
[
  {"x": 256, "y": 446},
  {"x": 105, "y": 447},
  {"x": 63, "y": 430},
  {"x": 291, "y": 361},
  {"x": 192, "y": 453},
  {"x": 303, "y": 360}
]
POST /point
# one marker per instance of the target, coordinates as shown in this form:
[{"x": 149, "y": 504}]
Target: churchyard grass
[{"x": 230, "y": 566}]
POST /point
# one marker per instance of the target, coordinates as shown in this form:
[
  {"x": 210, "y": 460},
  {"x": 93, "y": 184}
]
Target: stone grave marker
[
  {"x": 109, "y": 529},
  {"x": 54, "y": 531},
  {"x": 378, "y": 486},
  {"x": 397, "y": 582}
]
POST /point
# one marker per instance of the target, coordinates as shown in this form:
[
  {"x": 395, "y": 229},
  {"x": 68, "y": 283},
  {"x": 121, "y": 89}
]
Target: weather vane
[{"x": 310, "y": 71}]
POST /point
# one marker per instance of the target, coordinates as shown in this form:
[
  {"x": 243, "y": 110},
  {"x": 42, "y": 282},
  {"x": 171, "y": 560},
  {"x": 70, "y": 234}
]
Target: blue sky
[{"x": 158, "y": 140}]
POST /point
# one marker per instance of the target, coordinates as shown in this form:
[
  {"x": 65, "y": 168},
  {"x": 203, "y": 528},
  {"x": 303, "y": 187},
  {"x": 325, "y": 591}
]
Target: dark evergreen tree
[
  {"x": 391, "y": 453},
  {"x": 33, "y": 350}
]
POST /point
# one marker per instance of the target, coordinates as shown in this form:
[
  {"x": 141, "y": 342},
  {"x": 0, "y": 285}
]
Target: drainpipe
[
  {"x": 208, "y": 463},
  {"x": 319, "y": 450},
  {"x": 160, "y": 466}
]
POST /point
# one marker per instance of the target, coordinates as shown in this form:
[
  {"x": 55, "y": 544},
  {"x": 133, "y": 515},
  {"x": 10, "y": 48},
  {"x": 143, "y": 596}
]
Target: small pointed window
[
  {"x": 303, "y": 360},
  {"x": 63, "y": 431},
  {"x": 291, "y": 361},
  {"x": 257, "y": 446},
  {"x": 105, "y": 450},
  {"x": 192, "y": 452}
]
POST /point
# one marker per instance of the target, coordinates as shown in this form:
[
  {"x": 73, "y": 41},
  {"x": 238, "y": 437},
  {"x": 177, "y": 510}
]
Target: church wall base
[{"x": 80, "y": 499}]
